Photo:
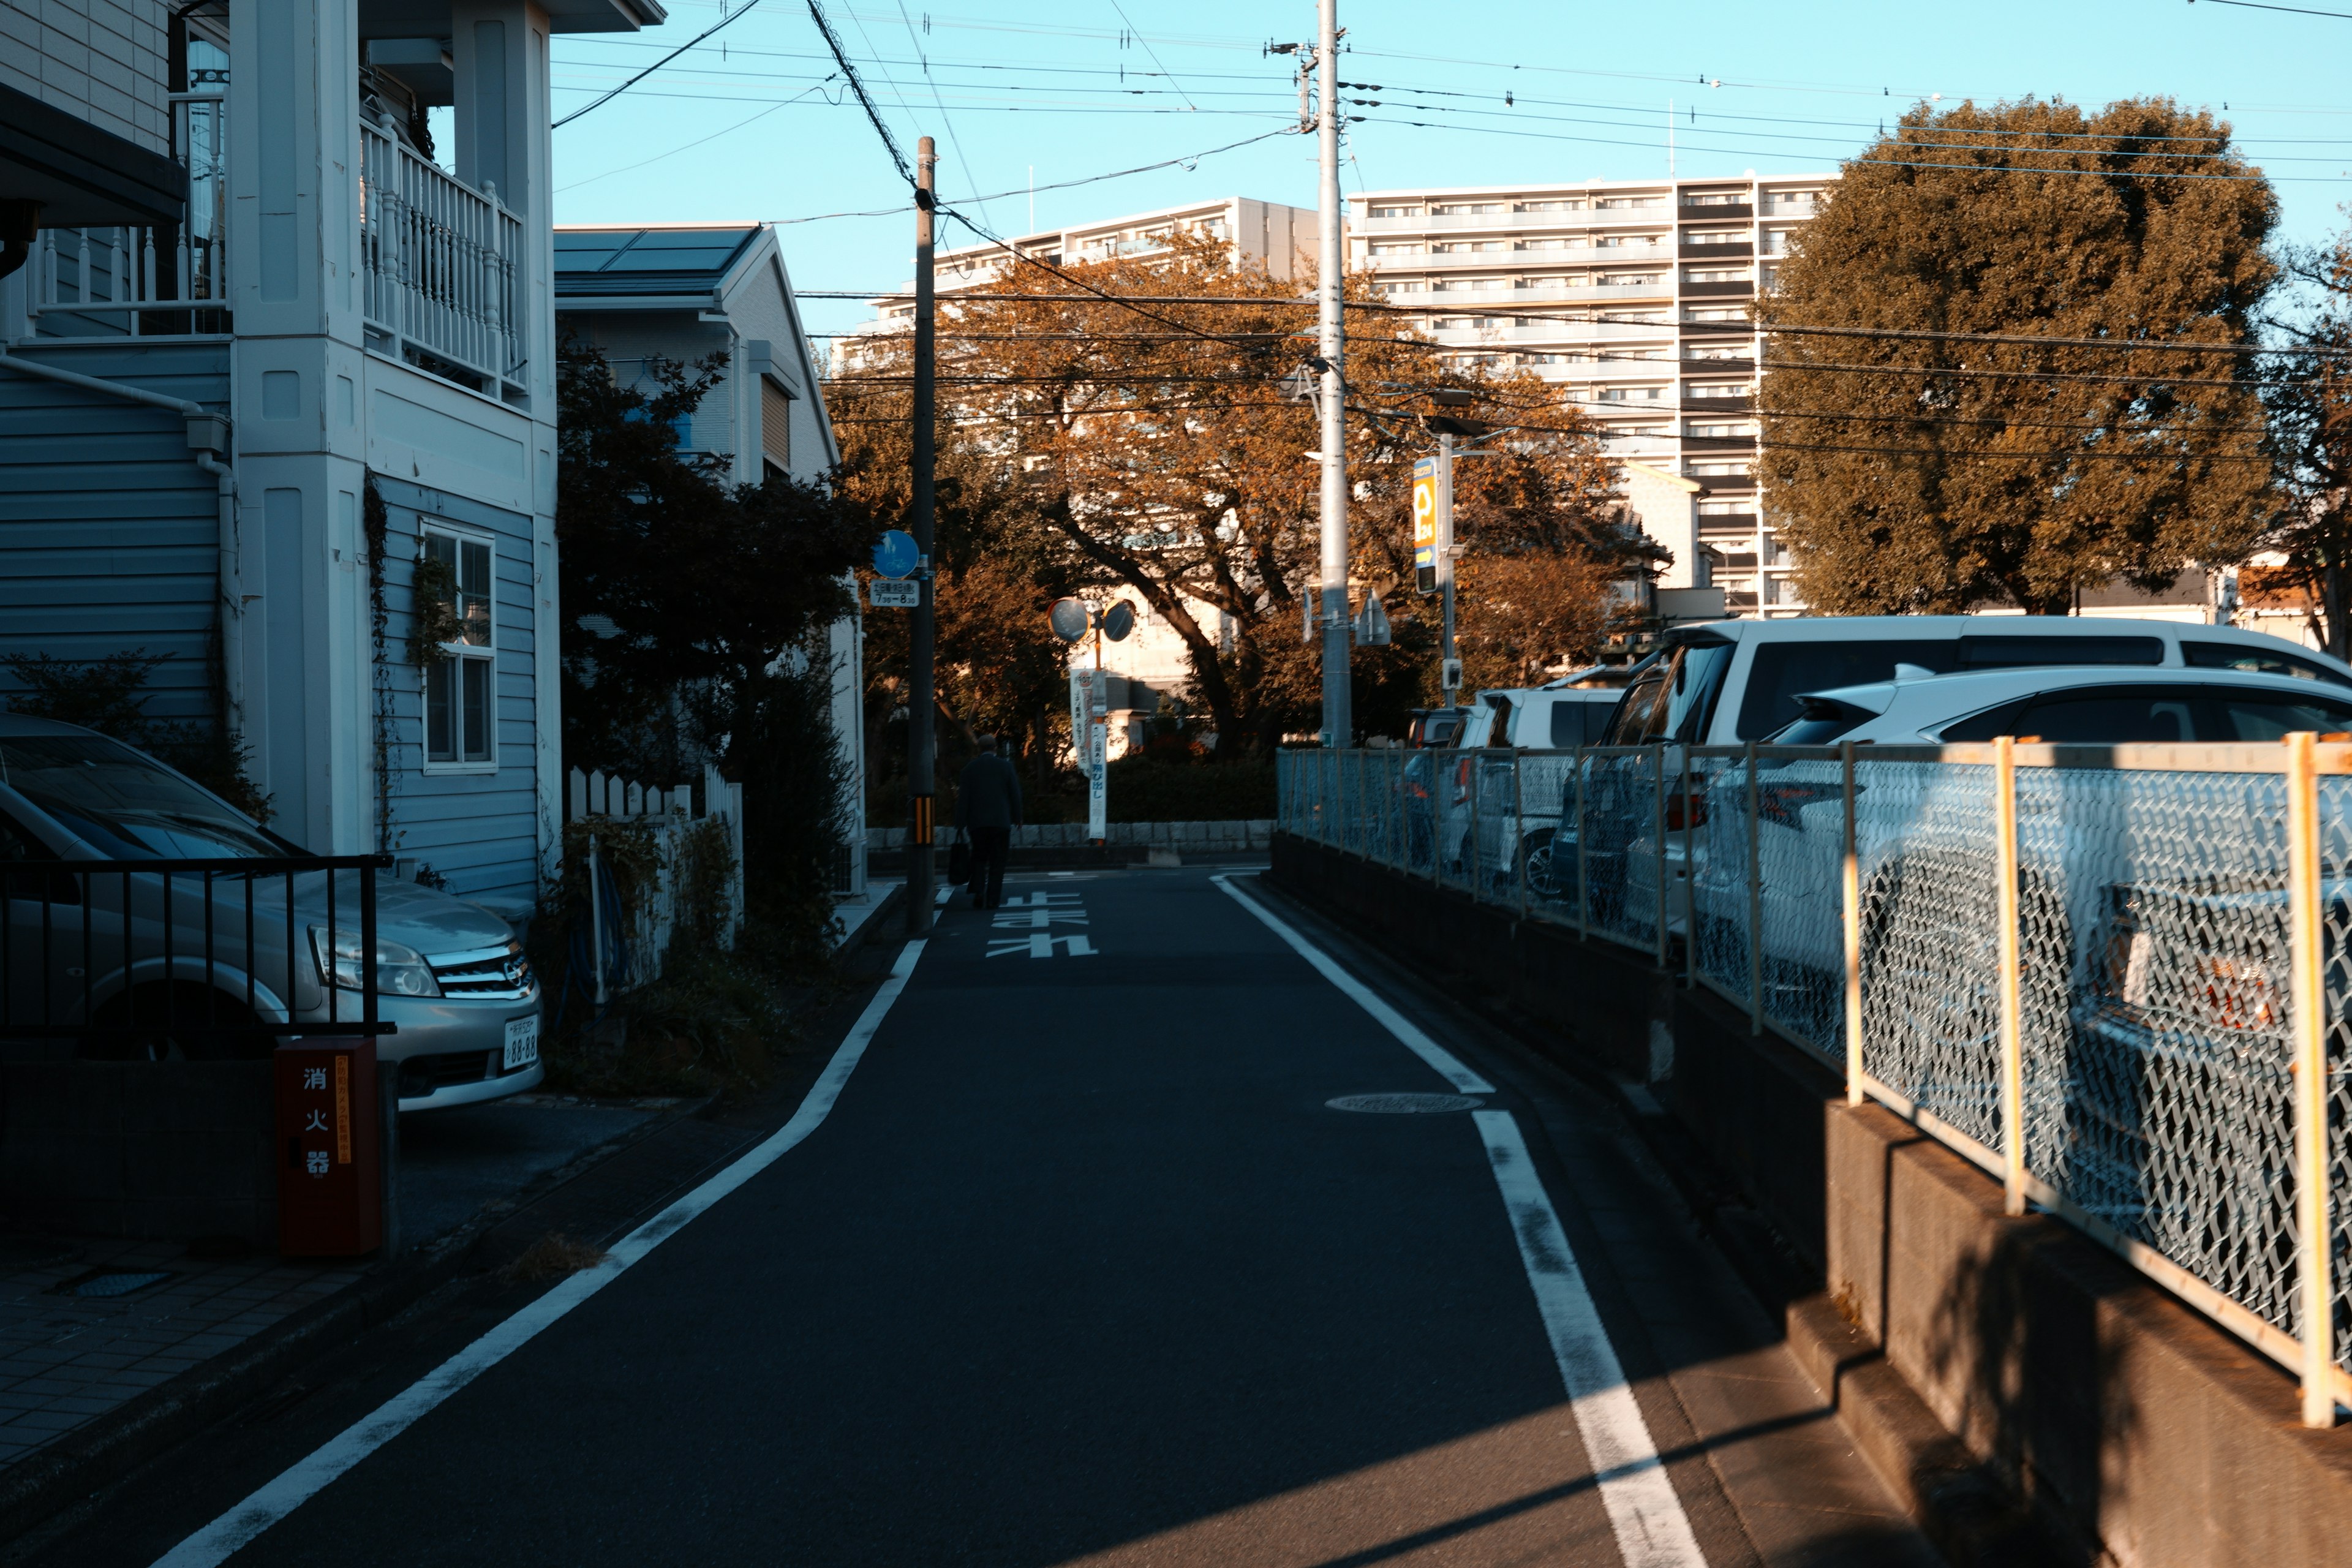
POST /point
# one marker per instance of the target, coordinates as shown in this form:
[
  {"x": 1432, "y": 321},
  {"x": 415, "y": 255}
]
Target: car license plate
[{"x": 522, "y": 1043}]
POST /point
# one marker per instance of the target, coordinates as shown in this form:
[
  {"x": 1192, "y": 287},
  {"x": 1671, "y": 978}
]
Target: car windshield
[{"x": 127, "y": 806}]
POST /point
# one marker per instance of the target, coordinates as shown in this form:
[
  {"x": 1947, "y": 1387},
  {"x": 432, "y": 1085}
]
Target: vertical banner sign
[
  {"x": 1424, "y": 525},
  {"x": 1097, "y": 753}
]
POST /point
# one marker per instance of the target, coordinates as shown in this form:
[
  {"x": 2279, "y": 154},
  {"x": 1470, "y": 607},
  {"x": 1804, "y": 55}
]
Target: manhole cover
[
  {"x": 1404, "y": 1104},
  {"x": 103, "y": 1285}
]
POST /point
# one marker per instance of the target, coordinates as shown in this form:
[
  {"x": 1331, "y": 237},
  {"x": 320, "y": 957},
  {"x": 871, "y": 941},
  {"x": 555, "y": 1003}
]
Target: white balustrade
[
  {"x": 146, "y": 280},
  {"x": 439, "y": 261}
]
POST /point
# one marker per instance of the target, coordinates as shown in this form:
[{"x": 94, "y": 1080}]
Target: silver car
[{"x": 147, "y": 917}]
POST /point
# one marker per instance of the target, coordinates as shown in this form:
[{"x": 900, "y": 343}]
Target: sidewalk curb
[{"x": 108, "y": 1448}]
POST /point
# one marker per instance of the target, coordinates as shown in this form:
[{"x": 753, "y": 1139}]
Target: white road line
[
  {"x": 1651, "y": 1530},
  {"x": 231, "y": 1531},
  {"x": 1449, "y": 1066}
]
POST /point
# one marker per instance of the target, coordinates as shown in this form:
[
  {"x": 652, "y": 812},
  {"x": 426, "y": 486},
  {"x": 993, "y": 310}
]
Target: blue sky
[{"x": 1072, "y": 88}]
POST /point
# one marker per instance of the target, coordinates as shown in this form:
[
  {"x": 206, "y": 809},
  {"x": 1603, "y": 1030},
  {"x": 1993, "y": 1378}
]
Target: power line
[
  {"x": 690, "y": 145},
  {"x": 2298, "y": 10},
  {"x": 723, "y": 21},
  {"x": 1152, "y": 52},
  {"x": 841, "y": 58}
]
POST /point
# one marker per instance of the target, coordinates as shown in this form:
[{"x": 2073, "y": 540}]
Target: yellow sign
[{"x": 1424, "y": 525}]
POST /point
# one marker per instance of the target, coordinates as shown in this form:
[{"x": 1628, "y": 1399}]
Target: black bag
[{"x": 960, "y": 859}]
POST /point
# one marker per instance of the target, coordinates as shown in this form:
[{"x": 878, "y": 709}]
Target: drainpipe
[{"x": 207, "y": 437}]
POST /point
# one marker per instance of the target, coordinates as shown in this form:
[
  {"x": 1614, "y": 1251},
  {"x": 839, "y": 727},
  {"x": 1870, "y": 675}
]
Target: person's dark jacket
[{"x": 988, "y": 792}]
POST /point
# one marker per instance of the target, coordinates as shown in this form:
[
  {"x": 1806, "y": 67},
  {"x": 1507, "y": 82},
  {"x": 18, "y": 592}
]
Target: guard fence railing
[{"x": 2116, "y": 978}]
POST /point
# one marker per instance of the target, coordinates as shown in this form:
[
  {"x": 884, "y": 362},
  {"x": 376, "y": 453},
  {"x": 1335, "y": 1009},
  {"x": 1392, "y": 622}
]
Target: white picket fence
[{"x": 594, "y": 796}]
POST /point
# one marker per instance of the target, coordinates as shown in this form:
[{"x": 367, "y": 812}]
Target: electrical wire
[
  {"x": 689, "y": 146},
  {"x": 1152, "y": 52},
  {"x": 728, "y": 19},
  {"x": 841, "y": 58}
]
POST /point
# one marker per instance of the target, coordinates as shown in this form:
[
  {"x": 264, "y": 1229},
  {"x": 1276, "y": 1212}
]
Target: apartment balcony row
[
  {"x": 1719, "y": 403},
  {"x": 439, "y": 261},
  {"x": 1504, "y": 222},
  {"x": 1461, "y": 294},
  {"x": 1518, "y": 254},
  {"x": 1742, "y": 250}
]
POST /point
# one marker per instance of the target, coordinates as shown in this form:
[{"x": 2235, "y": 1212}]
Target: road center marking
[{"x": 228, "y": 1534}]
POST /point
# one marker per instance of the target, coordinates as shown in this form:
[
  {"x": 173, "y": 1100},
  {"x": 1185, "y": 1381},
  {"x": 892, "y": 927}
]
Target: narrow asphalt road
[{"x": 1084, "y": 1265}]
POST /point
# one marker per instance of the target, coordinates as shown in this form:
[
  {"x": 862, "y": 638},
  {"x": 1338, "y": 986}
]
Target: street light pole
[
  {"x": 921, "y": 740},
  {"x": 1338, "y": 721}
]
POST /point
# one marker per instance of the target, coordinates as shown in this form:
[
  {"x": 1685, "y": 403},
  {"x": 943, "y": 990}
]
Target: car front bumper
[{"x": 451, "y": 1050}]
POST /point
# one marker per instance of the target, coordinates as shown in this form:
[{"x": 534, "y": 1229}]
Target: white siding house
[
  {"x": 371, "y": 318},
  {"x": 684, "y": 292}
]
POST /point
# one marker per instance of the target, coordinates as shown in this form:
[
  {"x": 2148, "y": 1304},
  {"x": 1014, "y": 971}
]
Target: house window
[
  {"x": 1718, "y": 313},
  {"x": 1712, "y": 199},
  {"x": 776, "y": 426},
  {"x": 1722, "y": 431},
  {"x": 1718, "y": 274},
  {"x": 1452, "y": 208},
  {"x": 1399, "y": 247},
  {"x": 1719, "y": 471},
  {"x": 1730, "y": 389},
  {"x": 457, "y": 706},
  {"x": 1557, "y": 206},
  {"x": 1394, "y": 212}
]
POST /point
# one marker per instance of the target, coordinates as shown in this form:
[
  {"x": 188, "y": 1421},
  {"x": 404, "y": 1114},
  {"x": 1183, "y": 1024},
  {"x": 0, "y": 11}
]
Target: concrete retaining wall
[
  {"x": 1205, "y": 836},
  {"x": 2134, "y": 1430}
]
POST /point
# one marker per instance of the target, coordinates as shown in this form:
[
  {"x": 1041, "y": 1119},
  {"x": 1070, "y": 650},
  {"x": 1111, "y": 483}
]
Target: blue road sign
[{"x": 895, "y": 554}]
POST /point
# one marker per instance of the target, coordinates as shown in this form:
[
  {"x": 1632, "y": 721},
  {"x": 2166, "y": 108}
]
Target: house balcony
[
  {"x": 1741, "y": 446},
  {"x": 1716, "y": 212},
  {"x": 1742, "y": 289},
  {"x": 440, "y": 262},
  {"x": 1507, "y": 222},
  {"x": 158, "y": 281},
  {"x": 1742, "y": 251},
  {"x": 1725, "y": 406}
]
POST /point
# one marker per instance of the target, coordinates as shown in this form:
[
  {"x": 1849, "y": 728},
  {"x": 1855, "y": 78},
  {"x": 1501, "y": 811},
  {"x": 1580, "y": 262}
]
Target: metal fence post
[
  {"x": 1583, "y": 893},
  {"x": 1471, "y": 848},
  {"x": 1519, "y": 826},
  {"x": 2307, "y": 993},
  {"x": 1755, "y": 900},
  {"x": 1690, "y": 877},
  {"x": 2012, "y": 1030},
  {"x": 1853, "y": 913},
  {"x": 1658, "y": 837}
]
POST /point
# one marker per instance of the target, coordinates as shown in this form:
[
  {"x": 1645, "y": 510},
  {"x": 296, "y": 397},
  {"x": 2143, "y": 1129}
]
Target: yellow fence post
[
  {"x": 1853, "y": 911},
  {"x": 2012, "y": 1031},
  {"x": 2308, "y": 1010}
]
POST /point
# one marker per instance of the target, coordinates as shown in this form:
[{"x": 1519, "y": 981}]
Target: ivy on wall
[{"x": 377, "y": 523}]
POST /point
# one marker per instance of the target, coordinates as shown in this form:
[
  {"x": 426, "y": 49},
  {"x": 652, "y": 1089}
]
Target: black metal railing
[{"x": 216, "y": 957}]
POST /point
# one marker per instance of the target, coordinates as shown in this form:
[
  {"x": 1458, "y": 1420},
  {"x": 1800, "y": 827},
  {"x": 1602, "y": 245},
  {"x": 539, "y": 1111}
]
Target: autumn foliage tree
[
  {"x": 2309, "y": 396},
  {"x": 1918, "y": 473},
  {"x": 1154, "y": 450}
]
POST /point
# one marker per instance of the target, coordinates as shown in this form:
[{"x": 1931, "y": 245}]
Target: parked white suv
[{"x": 1730, "y": 681}]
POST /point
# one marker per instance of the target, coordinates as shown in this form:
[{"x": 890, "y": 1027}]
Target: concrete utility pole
[
  {"x": 922, "y": 759},
  {"x": 1339, "y": 718},
  {"x": 1449, "y": 667}
]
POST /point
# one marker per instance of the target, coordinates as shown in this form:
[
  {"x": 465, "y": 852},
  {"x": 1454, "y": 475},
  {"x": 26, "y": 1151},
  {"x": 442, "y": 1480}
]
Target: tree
[
  {"x": 2310, "y": 400},
  {"x": 1944, "y": 474},
  {"x": 1153, "y": 450},
  {"x": 695, "y": 613}
]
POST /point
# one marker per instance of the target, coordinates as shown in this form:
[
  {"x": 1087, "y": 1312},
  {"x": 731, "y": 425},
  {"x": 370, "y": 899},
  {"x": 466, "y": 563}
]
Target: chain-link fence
[{"x": 2140, "y": 1018}]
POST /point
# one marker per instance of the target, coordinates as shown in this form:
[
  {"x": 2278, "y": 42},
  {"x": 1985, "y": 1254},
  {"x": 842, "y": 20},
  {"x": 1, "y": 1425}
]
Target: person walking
[{"x": 988, "y": 807}]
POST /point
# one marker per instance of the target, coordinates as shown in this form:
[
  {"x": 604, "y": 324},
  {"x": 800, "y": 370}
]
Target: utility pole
[
  {"x": 1449, "y": 668},
  {"x": 922, "y": 758},
  {"x": 1338, "y": 720}
]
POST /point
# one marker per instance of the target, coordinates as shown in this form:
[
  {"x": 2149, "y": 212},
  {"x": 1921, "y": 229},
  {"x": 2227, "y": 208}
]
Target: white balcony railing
[
  {"x": 440, "y": 262},
  {"x": 164, "y": 281}
]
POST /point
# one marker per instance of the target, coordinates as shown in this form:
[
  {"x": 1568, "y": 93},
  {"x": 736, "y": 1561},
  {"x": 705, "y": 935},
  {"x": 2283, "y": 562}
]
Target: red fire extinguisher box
[{"x": 329, "y": 1127}]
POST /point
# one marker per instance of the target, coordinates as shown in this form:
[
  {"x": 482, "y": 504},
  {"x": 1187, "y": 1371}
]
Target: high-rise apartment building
[
  {"x": 1282, "y": 238},
  {"x": 1640, "y": 295}
]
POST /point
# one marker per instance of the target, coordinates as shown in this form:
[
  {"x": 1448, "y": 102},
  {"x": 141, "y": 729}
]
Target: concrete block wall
[
  {"x": 138, "y": 1149},
  {"x": 1206, "y": 837},
  {"x": 2135, "y": 1430}
]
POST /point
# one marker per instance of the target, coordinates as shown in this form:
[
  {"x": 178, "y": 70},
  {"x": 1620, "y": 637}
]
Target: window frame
[{"x": 457, "y": 655}]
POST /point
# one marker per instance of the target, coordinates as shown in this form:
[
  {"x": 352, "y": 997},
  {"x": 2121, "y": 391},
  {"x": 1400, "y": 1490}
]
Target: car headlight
[{"x": 399, "y": 971}]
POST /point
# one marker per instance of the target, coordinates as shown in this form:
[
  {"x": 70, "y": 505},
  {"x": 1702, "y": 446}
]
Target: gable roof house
[
  {"x": 684, "y": 292},
  {"x": 265, "y": 353}
]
